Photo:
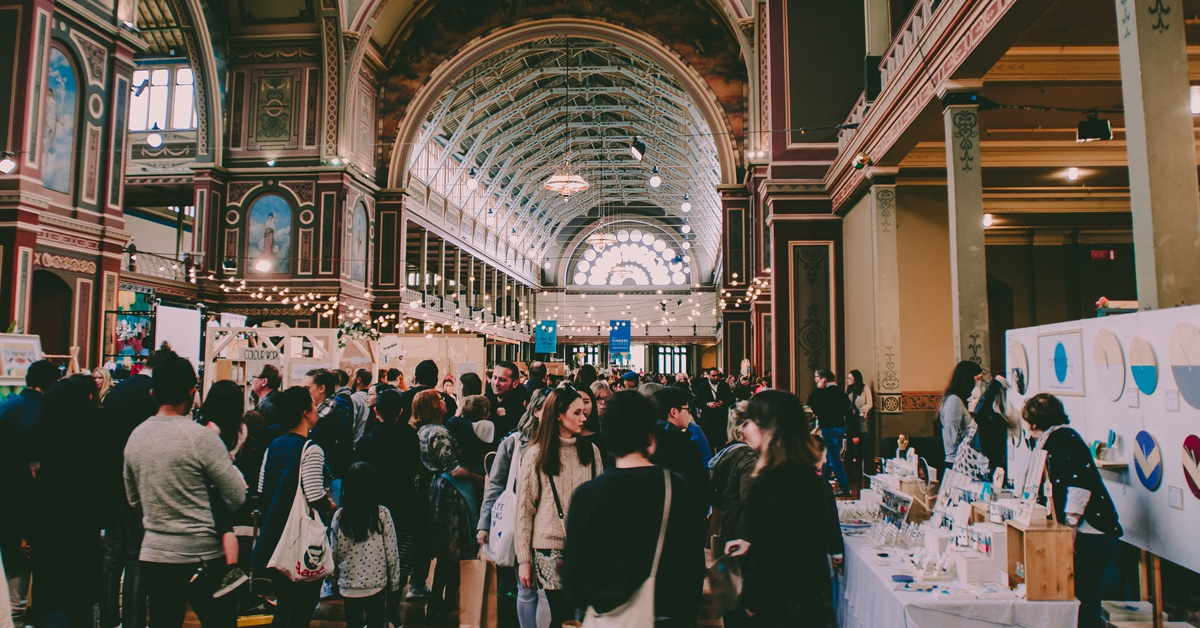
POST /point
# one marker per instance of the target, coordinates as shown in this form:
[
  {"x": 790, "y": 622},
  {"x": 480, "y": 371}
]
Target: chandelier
[
  {"x": 622, "y": 272},
  {"x": 565, "y": 182},
  {"x": 601, "y": 239}
]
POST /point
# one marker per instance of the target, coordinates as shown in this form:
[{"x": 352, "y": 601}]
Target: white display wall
[{"x": 1138, "y": 375}]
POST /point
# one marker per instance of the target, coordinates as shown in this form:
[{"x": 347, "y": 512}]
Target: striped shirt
[{"x": 312, "y": 473}]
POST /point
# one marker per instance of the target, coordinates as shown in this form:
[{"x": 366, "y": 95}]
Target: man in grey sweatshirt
[{"x": 170, "y": 461}]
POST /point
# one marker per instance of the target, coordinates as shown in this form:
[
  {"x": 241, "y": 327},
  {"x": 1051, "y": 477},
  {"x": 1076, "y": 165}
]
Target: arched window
[
  {"x": 269, "y": 235},
  {"x": 638, "y": 258},
  {"x": 358, "y": 244},
  {"x": 62, "y": 111}
]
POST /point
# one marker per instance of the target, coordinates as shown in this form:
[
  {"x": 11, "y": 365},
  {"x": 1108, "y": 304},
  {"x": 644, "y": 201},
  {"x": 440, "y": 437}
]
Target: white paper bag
[{"x": 303, "y": 553}]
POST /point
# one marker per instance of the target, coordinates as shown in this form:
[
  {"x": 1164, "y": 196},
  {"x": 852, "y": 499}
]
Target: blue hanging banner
[
  {"x": 546, "y": 337},
  {"x": 618, "y": 337}
]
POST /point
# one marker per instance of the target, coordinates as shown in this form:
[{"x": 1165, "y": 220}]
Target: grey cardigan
[
  {"x": 955, "y": 421},
  {"x": 497, "y": 480}
]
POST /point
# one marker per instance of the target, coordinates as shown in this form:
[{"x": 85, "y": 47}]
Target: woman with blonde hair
[
  {"x": 786, "y": 583},
  {"x": 559, "y": 460},
  {"x": 104, "y": 383},
  {"x": 451, "y": 495}
]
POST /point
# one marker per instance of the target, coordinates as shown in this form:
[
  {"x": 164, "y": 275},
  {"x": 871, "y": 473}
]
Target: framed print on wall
[{"x": 1060, "y": 363}]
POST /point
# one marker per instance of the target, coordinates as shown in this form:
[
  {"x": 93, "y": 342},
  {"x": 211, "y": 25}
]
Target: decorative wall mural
[
  {"x": 269, "y": 235},
  {"x": 273, "y": 119},
  {"x": 359, "y": 242},
  {"x": 58, "y": 138}
]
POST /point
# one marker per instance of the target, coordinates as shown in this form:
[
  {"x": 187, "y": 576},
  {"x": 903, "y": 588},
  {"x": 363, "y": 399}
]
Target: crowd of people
[{"x": 620, "y": 482}]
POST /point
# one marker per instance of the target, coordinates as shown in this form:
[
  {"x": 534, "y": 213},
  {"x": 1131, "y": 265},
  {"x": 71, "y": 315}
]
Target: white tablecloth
[{"x": 868, "y": 598}]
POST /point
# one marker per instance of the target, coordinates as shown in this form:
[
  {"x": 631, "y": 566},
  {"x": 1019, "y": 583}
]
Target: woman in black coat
[
  {"x": 787, "y": 577},
  {"x": 66, "y": 540},
  {"x": 1080, "y": 499}
]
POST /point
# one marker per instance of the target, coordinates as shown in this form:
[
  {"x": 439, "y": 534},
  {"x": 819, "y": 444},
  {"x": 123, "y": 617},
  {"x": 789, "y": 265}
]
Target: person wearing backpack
[
  {"x": 292, "y": 463},
  {"x": 634, "y": 552},
  {"x": 334, "y": 430},
  {"x": 365, "y": 554}
]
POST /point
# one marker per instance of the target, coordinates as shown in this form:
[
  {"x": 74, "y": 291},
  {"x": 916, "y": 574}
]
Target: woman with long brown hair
[
  {"x": 562, "y": 460},
  {"x": 453, "y": 499},
  {"x": 786, "y": 582}
]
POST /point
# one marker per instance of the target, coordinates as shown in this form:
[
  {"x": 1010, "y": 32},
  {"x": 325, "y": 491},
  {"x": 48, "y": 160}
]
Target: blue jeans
[
  {"x": 833, "y": 444},
  {"x": 533, "y": 610}
]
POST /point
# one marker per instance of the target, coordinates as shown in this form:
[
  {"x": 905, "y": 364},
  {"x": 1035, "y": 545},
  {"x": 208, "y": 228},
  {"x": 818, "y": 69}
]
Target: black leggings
[{"x": 366, "y": 611}]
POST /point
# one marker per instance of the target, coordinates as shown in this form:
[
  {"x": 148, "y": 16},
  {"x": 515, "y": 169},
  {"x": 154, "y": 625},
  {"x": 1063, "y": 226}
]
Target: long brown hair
[
  {"x": 786, "y": 432},
  {"x": 427, "y": 408},
  {"x": 547, "y": 437}
]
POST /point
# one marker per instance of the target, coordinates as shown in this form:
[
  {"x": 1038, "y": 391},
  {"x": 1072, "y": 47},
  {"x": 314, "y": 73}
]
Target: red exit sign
[{"x": 1106, "y": 254}]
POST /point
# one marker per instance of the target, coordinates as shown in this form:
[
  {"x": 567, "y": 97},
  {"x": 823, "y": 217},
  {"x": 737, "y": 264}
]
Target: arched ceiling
[{"x": 512, "y": 115}]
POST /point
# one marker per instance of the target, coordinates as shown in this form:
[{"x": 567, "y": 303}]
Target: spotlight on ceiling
[
  {"x": 686, "y": 206},
  {"x": 155, "y": 139},
  {"x": 263, "y": 265},
  {"x": 1072, "y": 173},
  {"x": 472, "y": 182},
  {"x": 988, "y": 220},
  {"x": 655, "y": 178},
  {"x": 7, "y": 163},
  {"x": 229, "y": 265},
  {"x": 638, "y": 148},
  {"x": 1094, "y": 129}
]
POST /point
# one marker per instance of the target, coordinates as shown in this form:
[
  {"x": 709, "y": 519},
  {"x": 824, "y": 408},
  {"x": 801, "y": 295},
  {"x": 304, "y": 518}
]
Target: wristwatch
[{"x": 1073, "y": 520}]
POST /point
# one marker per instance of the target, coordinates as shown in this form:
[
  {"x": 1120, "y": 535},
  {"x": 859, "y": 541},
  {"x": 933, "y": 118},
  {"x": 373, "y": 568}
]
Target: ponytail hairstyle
[
  {"x": 558, "y": 401},
  {"x": 787, "y": 437}
]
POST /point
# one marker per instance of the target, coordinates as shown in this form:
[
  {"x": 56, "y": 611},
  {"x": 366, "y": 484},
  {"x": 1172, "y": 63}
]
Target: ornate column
[
  {"x": 887, "y": 298},
  {"x": 442, "y": 274},
  {"x": 458, "y": 287},
  {"x": 1162, "y": 151},
  {"x": 968, "y": 264},
  {"x": 423, "y": 266}
]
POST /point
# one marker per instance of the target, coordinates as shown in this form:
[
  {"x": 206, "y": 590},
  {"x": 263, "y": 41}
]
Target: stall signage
[
  {"x": 250, "y": 354},
  {"x": 619, "y": 337},
  {"x": 1104, "y": 254},
  {"x": 546, "y": 338}
]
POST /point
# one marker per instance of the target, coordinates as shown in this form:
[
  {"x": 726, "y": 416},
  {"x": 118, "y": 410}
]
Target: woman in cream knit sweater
[{"x": 552, "y": 468}]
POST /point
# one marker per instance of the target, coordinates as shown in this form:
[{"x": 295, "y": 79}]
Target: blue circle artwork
[
  {"x": 1148, "y": 461},
  {"x": 1144, "y": 366},
  {"x": 1060, "y": 363}
]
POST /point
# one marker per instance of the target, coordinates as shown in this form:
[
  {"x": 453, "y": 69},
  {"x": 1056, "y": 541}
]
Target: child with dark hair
[{"x": 365, "y": 551}]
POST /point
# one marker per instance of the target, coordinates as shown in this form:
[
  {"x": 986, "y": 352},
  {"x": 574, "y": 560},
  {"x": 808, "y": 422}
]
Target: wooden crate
[{"x": 1048, "y": 555}]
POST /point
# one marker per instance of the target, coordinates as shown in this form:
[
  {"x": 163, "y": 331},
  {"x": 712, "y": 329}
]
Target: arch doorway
[{"x": 51, "y": 319}]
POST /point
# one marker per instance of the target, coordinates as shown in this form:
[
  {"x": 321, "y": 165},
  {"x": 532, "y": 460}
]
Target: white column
[
  {"x": 1162, "y": 151},
  {"x": 968, "y": 264},
  {"x": 887, "y": 299}
]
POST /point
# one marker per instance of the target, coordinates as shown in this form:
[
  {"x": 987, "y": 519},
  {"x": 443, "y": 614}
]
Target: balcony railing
[
  {"x": 907, "y": 38},
  {"x": 157, "y": 266}
]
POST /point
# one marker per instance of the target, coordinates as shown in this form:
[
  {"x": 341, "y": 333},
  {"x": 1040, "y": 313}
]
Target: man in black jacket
[
  {"x": 831, "y": 406},
  {"x": 674, "y": 448},
  {"x": 713, "y": 399},
  {"x": 18, "y": 434},
  {"x": 393, "y": 451},
  {"x": 426, "y": 378},
  {"x": 507, "y": 398}
]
